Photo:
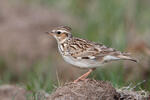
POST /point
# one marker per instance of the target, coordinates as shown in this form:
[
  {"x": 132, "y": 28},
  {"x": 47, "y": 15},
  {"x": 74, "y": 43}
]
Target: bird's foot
[{"x": 84, "y": 76}]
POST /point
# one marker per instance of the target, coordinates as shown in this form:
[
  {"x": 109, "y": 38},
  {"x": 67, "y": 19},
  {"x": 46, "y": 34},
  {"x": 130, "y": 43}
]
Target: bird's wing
[
  {"x": 79, "y": 48},
  {"x": 90, "y": 50},
  {"x": 111, "y": 54}
]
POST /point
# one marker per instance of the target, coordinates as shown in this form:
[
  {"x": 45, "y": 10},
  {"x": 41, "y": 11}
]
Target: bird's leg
[{"x": 84, "y": 76}]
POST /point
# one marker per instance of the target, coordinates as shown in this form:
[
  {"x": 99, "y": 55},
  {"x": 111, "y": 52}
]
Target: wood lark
[{"x": 84, "y": 53}]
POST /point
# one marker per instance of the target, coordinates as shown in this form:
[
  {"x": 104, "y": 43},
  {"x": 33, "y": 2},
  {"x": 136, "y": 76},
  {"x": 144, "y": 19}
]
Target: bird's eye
[{"x": 58, "y": 32}]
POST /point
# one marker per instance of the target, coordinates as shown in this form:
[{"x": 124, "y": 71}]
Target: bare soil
[
  {"x": 84, "y": 90},
  {"x": 95, "y": 90},
  {"x": 12, "y": 92}
]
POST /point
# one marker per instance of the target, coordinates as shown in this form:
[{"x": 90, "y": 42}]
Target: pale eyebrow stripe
[
  {"x": 53, "y": 30},
  {"x": 62, "y": 31}
]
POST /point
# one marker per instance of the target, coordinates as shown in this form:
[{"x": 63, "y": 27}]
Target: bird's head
[{"x": 61, "y": 33}]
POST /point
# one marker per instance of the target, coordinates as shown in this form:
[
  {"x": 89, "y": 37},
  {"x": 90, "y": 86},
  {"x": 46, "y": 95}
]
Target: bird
[{"x": 83, "y": 53}]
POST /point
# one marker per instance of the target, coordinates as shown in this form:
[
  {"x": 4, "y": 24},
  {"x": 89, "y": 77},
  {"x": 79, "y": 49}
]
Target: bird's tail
[{"x": 126, "y": 56}]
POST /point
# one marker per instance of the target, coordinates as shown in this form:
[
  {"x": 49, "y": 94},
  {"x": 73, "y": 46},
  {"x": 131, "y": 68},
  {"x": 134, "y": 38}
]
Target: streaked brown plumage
[{"x": 84, "y": 53}]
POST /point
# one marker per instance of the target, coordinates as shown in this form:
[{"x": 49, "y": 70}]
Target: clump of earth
[{"x": 88, "y": 89}]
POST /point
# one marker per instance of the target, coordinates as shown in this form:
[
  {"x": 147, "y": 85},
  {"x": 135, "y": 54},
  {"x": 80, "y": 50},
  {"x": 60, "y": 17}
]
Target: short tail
[{"x": 126, "y": 57}]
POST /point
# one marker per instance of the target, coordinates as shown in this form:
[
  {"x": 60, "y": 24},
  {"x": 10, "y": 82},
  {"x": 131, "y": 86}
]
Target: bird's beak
[{"x": 49, "y": 33}]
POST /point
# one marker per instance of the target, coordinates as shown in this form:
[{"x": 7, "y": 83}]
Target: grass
[{"x": 39, "y": 78}]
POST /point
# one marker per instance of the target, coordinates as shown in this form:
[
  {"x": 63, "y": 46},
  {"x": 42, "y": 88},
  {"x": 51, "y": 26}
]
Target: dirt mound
[
  {"x": 96, "y": 90},
  {"x": 129, "y": 94},
  {"x": 11, "y": 92},
  {"x": 85, "y": 90}
]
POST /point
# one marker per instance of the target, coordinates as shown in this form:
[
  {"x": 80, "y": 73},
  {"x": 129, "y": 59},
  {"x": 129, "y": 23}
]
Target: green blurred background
[{"x": 30, "y": 58}]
